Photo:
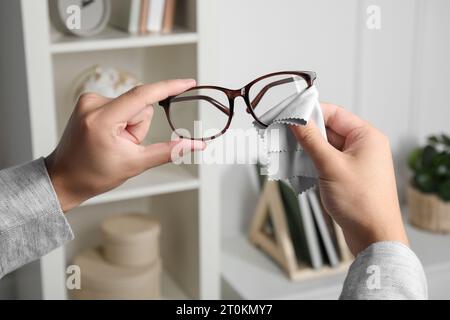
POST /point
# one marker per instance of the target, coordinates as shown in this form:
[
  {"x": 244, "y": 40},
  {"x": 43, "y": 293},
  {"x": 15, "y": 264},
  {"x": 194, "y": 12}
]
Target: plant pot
[{"x": 428, "y": 211}]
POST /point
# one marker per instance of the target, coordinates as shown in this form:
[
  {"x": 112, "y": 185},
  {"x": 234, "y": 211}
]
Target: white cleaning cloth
[{"x": 285, "y": 158}]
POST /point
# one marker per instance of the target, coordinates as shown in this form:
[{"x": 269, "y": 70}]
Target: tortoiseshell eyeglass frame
[{"x": 232, "y": 94}]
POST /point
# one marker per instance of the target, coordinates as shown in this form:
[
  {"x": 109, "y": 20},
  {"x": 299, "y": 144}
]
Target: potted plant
[{"x": 429, "y": 190}]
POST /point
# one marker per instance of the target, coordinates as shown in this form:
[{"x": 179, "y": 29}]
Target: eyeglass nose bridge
[{"x": 233, "y": 94}]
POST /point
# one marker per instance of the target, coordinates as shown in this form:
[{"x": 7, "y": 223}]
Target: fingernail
[
  {"x": 185, "y": 147},
  {"x": 193, "y": 144},
  {"x": 190, "y": 81},
  {"x": 198, "y": 145}
]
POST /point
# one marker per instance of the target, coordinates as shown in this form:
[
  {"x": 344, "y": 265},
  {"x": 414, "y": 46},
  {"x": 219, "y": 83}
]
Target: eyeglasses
[{"x": 216, "y": 104}]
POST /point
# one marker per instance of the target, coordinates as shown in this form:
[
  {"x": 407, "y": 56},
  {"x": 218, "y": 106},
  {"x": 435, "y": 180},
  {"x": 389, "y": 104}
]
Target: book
[
  {"x": 155, "y": 15},
  {"x": 295, "y": 223},
  {"x": 329, "y": 222},
  {"x": 169, "y": 16},
  {"x": 305, "y": 242},
  {"x": 143, "y": 16},
  {"x": 125, "y": 15},
  {"x": 323, "y": 229},
  {"x": 310, "y": 231}
]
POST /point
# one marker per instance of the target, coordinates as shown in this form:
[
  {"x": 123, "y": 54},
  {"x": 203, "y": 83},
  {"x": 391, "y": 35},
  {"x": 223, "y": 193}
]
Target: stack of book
[
  {"x": 143, "y": 16},
  {"x": 316, "y": 239},
  {"x": 296, "y": 231}
]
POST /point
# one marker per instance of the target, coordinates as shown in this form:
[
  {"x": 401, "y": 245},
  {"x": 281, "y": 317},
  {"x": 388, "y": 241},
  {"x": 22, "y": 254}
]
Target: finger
[
  {"x": 161, "y": 153},
  {"x": 312, "y": 141},
  {"x": 138, "y": 125},
  {"x": 340, "y": 120},
  {"x": 132, "y": 102},
  {"x": 335, "y": 139},
  {"x": 89, "y": 101}
]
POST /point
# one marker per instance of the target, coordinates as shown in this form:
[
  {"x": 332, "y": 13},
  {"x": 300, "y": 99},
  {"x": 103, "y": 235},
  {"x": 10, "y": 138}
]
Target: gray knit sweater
[{"x": 32, "y": 224}]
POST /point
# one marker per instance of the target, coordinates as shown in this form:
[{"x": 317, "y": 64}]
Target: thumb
[
  {"x": 311, "y": 139},
  {"x": 161, "y": 153}
]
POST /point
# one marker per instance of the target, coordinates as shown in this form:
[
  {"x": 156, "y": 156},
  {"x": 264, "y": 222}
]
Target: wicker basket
[{"x": 428, "y": 211}]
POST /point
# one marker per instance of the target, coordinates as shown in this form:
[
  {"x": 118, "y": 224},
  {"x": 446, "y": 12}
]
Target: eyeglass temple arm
[
  {"x": 214, "y": 102},
  {"x": 263, "y": 91}
]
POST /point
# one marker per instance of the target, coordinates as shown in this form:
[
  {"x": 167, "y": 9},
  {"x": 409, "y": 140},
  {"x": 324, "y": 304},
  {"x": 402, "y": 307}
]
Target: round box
[
  {"x": 103, "y": 280},
  {"x": 131, "y": 240}
]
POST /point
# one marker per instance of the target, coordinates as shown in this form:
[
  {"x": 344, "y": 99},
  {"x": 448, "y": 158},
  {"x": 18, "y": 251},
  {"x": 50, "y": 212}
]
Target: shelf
[
  {"x": 253, "y": 275},
  {"x": 116, "y": 39},
  {"x": 165, "y": 179},
  {"x": 170, "y": 290}
]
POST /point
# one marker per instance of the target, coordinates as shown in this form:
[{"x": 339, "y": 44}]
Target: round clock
[{"x": 80, "y": 17}]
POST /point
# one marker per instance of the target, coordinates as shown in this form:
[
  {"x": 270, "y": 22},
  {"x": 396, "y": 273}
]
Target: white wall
[
  {"x": 386, "y": 73},
  {"x": 395, "y": 77},
  {"x": 433, "y": 45}
]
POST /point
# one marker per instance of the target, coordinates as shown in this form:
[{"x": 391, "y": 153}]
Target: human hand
[
  {"x": 102, "y": 144},
  {"x": 356, "y": 177}
]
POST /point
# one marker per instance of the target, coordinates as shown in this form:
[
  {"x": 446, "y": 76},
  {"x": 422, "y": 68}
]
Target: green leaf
[
  {"x": 429, "y": 153},
  {"x": 441, "y": 164},
  {"x": 442, "y": 170},
  {"x": 433, "y": 140},
  {"x": 414, "y": 159},
  {"x": 446, "y": 140},
  {"x": 444, "y": 190},
  {"x": 424, "y": 182}
]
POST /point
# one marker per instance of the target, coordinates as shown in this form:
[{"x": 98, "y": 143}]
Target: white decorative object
[
  {"x": 106, "y": 81},
  {"x": 80, "y": 17}
]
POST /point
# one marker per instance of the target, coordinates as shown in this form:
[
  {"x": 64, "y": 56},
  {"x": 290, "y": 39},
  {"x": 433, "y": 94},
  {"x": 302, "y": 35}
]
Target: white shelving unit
[
  {"x": 111, "y": 39},
  {"x": 174, "y": 194},
  {"x": 161, "y": 180}
]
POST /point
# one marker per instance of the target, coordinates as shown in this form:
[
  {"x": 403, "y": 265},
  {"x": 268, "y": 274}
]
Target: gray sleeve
[
  {"x": 385, "y": 270},
  {"x": 31, "y": 220}
]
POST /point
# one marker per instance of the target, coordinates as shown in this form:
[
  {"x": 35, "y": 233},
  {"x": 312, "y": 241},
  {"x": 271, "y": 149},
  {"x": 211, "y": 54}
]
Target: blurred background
[{"x": 386, "y": 61}]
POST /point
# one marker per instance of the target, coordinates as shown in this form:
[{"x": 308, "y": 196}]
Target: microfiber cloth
[{"x": 285, "y": 158}]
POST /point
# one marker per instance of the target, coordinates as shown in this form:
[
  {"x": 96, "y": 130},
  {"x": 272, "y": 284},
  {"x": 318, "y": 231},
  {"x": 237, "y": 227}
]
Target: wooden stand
[{"x": 269, "y": 231}]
